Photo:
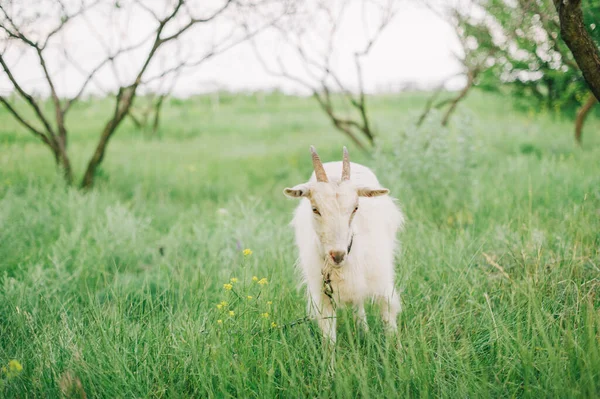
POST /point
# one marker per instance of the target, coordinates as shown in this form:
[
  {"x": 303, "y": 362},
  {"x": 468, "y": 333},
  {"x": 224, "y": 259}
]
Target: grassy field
[{"x": 118, "y": 292}]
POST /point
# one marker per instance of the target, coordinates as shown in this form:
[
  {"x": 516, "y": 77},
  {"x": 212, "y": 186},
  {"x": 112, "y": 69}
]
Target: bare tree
[
  {"x": 20, "y": 30},
  {"x": 311, "y": 37},
  {"x": 582, "y": 46},
  {"x": 472, "y": 63}
]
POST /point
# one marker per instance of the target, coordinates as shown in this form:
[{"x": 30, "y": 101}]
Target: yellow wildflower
[
  {"x": 219, "y": 321},
  {"x": 269, "y": 302},
  {"x": 265, "y": 315},
  {"x": 228, "y": 287},
  {"x": 273, "y": 325},
  {"x": 222, "y": 305},
  {"x": 247, "y": 252},
  {"x": 469, "y": 218},
  {"x": 233, "y": 280},
  {"x": 231, "y": 313},
  {"x": 263, "y": 281},
  {"x": 15, "y": 366},
  {"x": 249, "y": 297},
  {"x": 254, "y": 278}
]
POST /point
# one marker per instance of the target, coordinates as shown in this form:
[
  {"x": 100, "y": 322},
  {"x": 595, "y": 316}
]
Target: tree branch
[
  {"x": 65, "y": 20},
  {"x": 429, "y": 104},
  {"x": 194, "y": 21},
  {"x": 471, "y": 75},
  {"x": 30, "y": 100},
  {"x": 23, "y": 122},
  {"x": 92, "y": 73}
]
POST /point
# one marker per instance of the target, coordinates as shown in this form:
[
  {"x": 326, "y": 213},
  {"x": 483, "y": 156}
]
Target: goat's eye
[
  {"x": 355, "y": 209},
  {"x": 316, "y": 211}
]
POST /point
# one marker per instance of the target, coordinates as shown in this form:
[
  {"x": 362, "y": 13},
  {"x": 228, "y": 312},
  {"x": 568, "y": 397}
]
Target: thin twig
[{"x": 496, "y": 265}]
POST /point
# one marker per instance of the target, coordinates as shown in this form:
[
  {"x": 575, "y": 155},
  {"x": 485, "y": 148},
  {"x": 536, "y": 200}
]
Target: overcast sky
[{"x": 415, "y": 47}]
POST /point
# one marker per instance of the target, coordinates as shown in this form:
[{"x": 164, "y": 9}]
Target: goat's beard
[{"x": 329, "y": 266}]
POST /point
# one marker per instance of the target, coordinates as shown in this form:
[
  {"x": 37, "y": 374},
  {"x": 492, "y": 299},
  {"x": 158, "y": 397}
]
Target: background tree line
[{"x": 543, "y": 52}]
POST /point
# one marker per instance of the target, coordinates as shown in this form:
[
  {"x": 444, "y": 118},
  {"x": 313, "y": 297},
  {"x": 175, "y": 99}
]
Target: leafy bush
[{"x": 429, "y": 168}]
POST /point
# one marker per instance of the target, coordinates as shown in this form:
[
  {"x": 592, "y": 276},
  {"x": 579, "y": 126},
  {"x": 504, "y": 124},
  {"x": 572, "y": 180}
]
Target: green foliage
[
  {"x": 116, "y": 292},
  {"x": 520, "y": 43}
]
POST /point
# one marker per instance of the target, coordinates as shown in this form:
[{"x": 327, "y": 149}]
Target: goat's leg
[
  {"x": 326, "y": 320},
  {"x": 321, "y": 308},
  {"x": 390, "y": 307},
  {"x": 324, "y": 311},
  {"x": 360, "y": 316}
]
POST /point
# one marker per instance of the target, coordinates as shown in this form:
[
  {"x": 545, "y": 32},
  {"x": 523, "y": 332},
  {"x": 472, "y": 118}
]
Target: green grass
[{"x": 115, "y": 292}]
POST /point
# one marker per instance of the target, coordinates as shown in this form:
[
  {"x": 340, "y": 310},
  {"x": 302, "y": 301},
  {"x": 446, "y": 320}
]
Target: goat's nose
[{"x": 337, "y": 256}]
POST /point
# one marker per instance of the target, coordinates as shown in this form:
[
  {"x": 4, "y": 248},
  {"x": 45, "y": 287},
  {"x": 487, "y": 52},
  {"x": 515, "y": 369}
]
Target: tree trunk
[
  {"x": 88, "y": 178},
  {"x": 124, "y": 102},
  {"x": 62, "y": 157},
  {"x": 581, "y": 115},
  {"x": 157, "y": 109},
  {"x": 577, "y": 38},
  {"x": 65, "y": 166}
]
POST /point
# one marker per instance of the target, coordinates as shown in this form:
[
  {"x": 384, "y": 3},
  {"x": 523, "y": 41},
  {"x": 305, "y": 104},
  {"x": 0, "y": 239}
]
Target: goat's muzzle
[{"x": 337, "y": 257}]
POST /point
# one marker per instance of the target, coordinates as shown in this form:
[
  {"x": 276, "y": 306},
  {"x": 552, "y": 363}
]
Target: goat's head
[{"x": 334, "y": 204}]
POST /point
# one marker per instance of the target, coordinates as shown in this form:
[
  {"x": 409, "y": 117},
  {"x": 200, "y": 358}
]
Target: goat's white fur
[{"x": 367, "y": 272}]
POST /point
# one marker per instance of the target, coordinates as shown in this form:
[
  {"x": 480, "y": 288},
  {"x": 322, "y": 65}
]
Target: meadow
[{"x": 141, "y": 287}]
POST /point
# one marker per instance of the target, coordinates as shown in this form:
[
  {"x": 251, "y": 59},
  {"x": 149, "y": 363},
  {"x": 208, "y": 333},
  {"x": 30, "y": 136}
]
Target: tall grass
[{"x": 119, "y": 292}]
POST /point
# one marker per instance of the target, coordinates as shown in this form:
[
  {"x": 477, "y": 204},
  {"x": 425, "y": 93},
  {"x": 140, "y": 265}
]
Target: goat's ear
[
  {"x": 301, "y": 190},
  {"x": 372, "y": 192}
]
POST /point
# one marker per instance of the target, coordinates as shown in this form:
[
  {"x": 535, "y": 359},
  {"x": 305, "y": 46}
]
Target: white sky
[{"x": 416, "y": 47}]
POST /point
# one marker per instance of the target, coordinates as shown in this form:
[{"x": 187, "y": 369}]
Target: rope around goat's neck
[{"x": 328, "y": 288}]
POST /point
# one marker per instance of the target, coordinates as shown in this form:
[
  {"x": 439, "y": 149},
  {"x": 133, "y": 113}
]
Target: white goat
[{"x": 346, "y": 227}]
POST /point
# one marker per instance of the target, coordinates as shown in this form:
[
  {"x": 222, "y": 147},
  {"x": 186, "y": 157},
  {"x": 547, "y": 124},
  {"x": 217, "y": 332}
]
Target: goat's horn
[
  {"x": 318, "y": 166},
  {"x": 346, "y": 166}
]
